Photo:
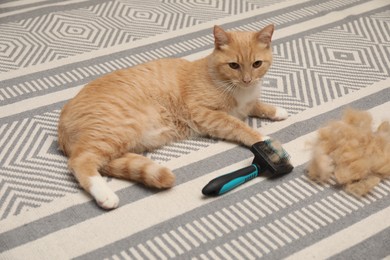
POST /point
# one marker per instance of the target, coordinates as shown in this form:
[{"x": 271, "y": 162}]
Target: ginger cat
[{"x": 116, "y": 117}]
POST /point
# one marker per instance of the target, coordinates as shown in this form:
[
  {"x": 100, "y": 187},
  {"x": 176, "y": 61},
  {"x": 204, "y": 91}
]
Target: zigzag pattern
[
  {"x": 323, "y": 66},
  {"x": 62, "y": 34},
  {"x": 178, "y": 149},
  {"x": 307, "y": 71},
  {"x": 177, "y": 49},
  {"x": 33, "y": 171},
  {"x": 86, "y": 73}
]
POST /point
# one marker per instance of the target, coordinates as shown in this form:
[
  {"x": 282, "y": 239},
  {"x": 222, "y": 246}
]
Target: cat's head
[{"x": 240, "y": 59}]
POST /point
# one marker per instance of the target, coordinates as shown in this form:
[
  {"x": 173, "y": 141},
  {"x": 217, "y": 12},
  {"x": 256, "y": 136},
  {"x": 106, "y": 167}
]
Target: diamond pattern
[
  {"x": 308, "y": 70},
  {"x": 68, "y": 33}
]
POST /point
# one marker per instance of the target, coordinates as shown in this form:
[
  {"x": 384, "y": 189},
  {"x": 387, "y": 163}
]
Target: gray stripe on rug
[
  {"x": 233, "y": 212},
  {"x": 375, "y": 247}
]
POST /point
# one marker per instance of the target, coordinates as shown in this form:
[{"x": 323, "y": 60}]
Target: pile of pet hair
[{"x": 351, "y": 153}]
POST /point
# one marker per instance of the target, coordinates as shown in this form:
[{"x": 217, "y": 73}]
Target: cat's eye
[
  {"x": 257, "y": 64},
  {"x": 234, "y": 65}
]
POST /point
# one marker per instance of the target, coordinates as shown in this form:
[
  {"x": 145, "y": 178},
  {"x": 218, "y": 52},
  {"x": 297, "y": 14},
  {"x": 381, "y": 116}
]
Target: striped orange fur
[{"x": 116, "y": 117}]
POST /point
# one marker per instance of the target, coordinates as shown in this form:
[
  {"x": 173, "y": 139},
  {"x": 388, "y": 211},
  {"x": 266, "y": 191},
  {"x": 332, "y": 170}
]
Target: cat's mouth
[
  {"x": 232, "y": 85},
  {"x": 244, "y": 85}
]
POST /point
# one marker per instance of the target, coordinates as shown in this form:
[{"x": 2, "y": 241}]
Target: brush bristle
[
  {"x": 272, "y": 158},
  {"x": 275, "y": 151}
]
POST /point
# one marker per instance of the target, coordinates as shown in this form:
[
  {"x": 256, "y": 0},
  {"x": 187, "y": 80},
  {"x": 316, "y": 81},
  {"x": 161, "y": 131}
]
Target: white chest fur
[{"x": 245, "y": 96}]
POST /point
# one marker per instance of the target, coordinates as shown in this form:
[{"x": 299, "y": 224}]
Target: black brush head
[{"x": 272, "y": 158}]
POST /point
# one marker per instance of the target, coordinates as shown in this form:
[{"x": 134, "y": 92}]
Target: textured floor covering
[{"x": 327, "y": 55}]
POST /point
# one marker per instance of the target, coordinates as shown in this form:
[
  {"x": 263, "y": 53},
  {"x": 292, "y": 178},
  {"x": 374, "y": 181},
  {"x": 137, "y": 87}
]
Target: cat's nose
[{"x": 247, "y": 80}]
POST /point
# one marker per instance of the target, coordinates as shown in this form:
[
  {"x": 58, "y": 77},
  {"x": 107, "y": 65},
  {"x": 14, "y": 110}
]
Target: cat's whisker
[
  {"x": 228, "y": 89},
  {"x": 222, "y": 85},
  {"x": 227, "y": 86}
]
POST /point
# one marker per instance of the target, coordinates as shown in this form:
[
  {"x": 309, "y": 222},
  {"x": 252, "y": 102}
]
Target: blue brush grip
[
  {"x": 238, "y": 181},
  {"x": 227, "y": 182}
]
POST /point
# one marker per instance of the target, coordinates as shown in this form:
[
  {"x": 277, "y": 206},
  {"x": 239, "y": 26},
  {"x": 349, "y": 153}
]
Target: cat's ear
[
  {"x": 221, "y": 38},
  {"x": 265, "y": 35}
]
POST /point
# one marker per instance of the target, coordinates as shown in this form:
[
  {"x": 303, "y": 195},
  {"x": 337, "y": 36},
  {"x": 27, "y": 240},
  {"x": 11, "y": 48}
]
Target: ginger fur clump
[{"x": 349, "y": 152}]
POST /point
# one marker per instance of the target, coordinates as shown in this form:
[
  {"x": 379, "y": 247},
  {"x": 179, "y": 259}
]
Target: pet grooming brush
[{"x": 270, "y": 160}]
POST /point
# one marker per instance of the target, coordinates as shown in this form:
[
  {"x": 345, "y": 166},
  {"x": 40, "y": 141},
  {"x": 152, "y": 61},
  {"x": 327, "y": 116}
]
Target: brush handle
[{"x": 227, "y": 182}]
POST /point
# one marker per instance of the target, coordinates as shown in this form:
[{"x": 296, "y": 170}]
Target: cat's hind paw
[
  {"x": 104, "y": 196},
  {"x": 109, "y": 202}
]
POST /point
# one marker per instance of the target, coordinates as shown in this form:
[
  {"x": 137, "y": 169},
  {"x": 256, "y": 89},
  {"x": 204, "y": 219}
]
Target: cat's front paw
[{"x": 280, "y": 114}]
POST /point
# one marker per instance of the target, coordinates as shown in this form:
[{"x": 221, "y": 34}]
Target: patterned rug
[{"x": 328, "y": 55}]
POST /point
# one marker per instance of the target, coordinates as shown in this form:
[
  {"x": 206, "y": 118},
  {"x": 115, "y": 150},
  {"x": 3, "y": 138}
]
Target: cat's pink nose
[{"x": 247, "y": 80}]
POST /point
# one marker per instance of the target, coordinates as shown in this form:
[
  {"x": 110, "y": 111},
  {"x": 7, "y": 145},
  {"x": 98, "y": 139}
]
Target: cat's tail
[{"x": 140, "y": 169}]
